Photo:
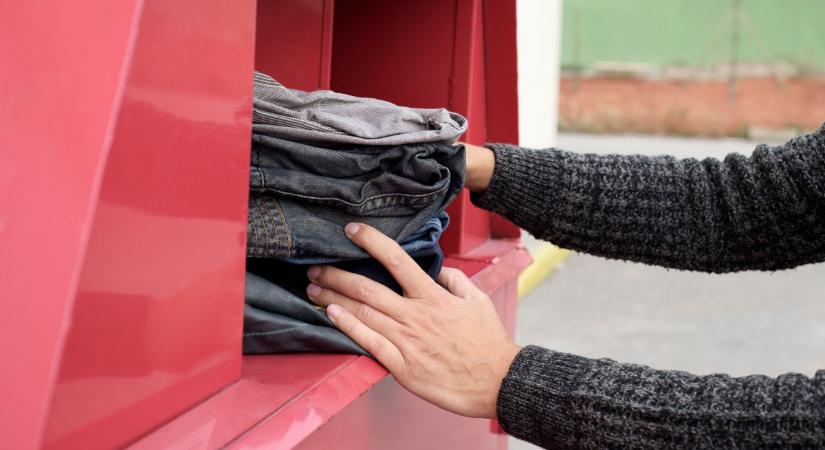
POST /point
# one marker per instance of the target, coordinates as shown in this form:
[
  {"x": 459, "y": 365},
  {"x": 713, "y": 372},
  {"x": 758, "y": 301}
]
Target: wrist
[
  {"x": 504, "y": 360},
  {"x": 481, "y": 163}
]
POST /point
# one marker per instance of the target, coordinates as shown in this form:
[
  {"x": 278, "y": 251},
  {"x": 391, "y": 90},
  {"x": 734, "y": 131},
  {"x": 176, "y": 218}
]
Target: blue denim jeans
[
  {"x": 302, "y": 196},
  {"x": 278, "y": 317},
  {"x": 427, "y": 236}
]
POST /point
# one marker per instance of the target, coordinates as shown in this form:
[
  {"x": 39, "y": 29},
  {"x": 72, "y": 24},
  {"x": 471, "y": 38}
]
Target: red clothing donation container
[{"x": 124, "y": 163}]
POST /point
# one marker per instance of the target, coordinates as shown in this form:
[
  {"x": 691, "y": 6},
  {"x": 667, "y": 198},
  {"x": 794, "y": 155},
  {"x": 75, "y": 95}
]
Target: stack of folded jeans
[{"x": 319, "y": 161}]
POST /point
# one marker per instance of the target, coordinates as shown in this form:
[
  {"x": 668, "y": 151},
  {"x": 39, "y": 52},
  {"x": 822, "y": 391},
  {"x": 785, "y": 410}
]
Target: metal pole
[
  {"x": 577, "y": 46},
  {"x": 736, "y": 24}
]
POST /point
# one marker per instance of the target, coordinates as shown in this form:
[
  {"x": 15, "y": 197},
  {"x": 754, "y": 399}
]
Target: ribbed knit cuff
[
  {"x": 533, "y": 398},
  {"x": 514, "y": 189}
]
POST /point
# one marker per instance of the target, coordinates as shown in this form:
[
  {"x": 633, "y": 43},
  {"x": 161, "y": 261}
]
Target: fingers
[
  {"x": 456, "y": 282},
  {"x": 379, "y": 346},
  {"x": 414, "y": 281},
  {"x": 365, "y": 313},
  {"x": 357, "y": 287}
]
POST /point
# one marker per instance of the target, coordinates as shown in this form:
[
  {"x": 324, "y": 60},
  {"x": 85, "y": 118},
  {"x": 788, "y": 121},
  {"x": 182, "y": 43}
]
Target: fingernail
[
  {"x": 313, "y": 272},
  {"x": 333, "y": 311},
  {"x": 313, "y": 290},
  {"x": 351, "y": 229}
]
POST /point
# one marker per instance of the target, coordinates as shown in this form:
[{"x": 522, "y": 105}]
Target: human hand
[
  {"x": 442, "y": 341},
  {"x": 480, "y": 164}
]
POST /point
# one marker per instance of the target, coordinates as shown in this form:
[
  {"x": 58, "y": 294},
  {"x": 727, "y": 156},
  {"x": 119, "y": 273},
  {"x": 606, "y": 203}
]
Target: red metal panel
[
  {"x": 469, "y": 98},
  {"x": 296, "y": 420},
  {"x": 388, "y": 417},
  {"x": 294, "y": 42},
  {"x": 157, "y": 321},
  {"x": 312, "y": 401},
  {"x": 501, "y": 68},
  {"x": 397, "y": 51},
  {"x": 156, "y": 326},
  {"x": 59, "y": 87},
  {"x": 285, "y": 397}
]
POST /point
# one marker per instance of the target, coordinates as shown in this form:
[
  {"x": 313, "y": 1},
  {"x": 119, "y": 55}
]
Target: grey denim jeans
[
  {"x": 302, "y": 196},
  {"x": 327, "y": 117}
]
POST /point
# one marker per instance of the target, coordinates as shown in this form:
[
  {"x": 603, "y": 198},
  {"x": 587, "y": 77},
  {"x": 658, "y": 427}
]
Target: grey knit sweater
[{"x": 763, "y": 212}]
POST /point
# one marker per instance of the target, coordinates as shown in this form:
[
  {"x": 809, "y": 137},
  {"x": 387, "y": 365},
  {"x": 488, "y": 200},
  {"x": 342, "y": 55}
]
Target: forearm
[
  {"x": 557, "y": 400},
  {"x": 766, "y": 212}
]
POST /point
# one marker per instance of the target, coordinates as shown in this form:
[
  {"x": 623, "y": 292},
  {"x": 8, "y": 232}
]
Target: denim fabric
[
  {"x": 301, "y": 196},
  {"x": 278, "y": 317},
  {"x": 326, "y": 117},
  {"x": 427, "y": 236}
]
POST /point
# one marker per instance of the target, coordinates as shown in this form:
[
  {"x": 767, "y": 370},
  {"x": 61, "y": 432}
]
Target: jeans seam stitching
[
  {"x": 271, "y": 218},
  {"x": 286, "y": 230},
  {"x": 265, "y": 227},
  {"x": 251, "y": 225},
  {"x": 368, "y": 200}
]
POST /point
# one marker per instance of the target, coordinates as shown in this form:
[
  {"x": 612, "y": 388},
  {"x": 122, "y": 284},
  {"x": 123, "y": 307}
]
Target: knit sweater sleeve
[
  {"x": 763, "y": 212},
  {"x": 559, "y": 401}
]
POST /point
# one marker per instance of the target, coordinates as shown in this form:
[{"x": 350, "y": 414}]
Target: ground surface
[{"x": 738, "y": 324}]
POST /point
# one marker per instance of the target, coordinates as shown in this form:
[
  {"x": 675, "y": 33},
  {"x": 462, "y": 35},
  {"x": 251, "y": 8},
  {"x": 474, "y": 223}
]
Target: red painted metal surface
[
  {"x": 469, "y": 97},
  {"x": 285, "y": 397},
  {"x": 56, "y": 69},
  {"x": 128, "y": 312},
  {"x": 294, "y": 42},
  {"x": 157, "y": 318},
  {"x": 328, "y": 401},
  {"x": 390, "y": 418},
  {"x": 501, "y": 70},
  {"x": 296, "y": 420}
]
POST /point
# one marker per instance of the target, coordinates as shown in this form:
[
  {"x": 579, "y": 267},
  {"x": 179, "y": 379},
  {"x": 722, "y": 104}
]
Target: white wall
[{"x": 539, "y": 46}]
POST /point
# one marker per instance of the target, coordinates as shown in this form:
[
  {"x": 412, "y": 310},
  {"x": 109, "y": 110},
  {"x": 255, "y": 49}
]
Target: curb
[{"x": 546, "y": 259}]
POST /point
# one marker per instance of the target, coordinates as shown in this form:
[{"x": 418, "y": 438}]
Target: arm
[
  {"x": 558, "y": 400},
  {"x": 763, "y": 212},
  {"x": 445, "y": 343}
]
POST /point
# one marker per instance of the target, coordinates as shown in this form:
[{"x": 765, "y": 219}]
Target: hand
[
  {"x": 480, "y": 164},
  {"x": 442, "y": 341}
]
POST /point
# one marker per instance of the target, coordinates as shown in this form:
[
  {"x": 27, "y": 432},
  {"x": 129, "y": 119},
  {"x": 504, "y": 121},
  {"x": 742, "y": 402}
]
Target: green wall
[{"x": 680, "y": 32}]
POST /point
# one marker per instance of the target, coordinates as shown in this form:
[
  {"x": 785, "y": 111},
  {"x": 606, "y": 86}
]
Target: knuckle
[
  {"x": 376, "y": 346},
  {"x": 460, "y": 275},
  {"x": 396, "y": 258},
  {"x": 324, "y": 275},
  {"x": 322, "y": 297},
  {"x": 457, "y": 276},
  {"x": 419, "y": 320},
  {"x": 364, "y": 290},
  {"x": 450, "y": 271},
  {"x": 363, "y": 312},
  {"x": 349, "y": 325}
]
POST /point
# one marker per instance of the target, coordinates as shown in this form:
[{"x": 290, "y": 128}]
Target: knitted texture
[
  {"x": 559, "y": 401},
  {"x": 763, "y": 212}
]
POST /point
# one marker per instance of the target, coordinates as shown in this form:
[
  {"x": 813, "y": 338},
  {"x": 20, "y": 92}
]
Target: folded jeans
[
  {"x": 327, "y": 117},
  {"x": 302, "y": 196},
  {"x": 279, "y": 318},
  {"x": 425, "y": 237}
]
